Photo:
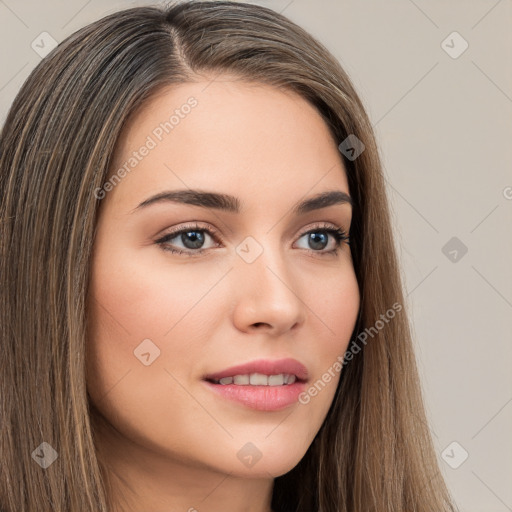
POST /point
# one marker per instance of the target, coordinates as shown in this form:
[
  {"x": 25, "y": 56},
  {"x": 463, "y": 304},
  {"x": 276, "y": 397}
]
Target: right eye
[{"x": 192, "y": 234}]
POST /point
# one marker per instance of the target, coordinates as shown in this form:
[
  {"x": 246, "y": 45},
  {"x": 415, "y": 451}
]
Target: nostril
[{"x": 258, "y": 324}]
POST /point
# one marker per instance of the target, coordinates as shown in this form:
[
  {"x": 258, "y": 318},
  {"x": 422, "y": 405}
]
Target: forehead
[{"x": 240, "y": 136}]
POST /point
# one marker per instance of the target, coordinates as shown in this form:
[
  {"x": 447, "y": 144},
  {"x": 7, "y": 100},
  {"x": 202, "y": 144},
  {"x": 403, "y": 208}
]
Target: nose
[{"x": 267, "y": 296}]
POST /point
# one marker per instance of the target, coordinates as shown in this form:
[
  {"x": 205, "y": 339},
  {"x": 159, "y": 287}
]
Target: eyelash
[{"x": 339, "y": 235}]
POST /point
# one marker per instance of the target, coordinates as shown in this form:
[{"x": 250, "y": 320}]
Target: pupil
[
  {"x": 197, "y": 239},
  {"x": 314, "y": 237}
]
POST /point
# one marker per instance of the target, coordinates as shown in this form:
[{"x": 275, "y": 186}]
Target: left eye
[
  {"x": 193, "y": 238},
  {"x": 321, "y": 236}
]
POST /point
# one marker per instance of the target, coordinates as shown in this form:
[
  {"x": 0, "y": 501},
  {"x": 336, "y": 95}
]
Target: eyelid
[
  {"x": 215, "y": 234},
  {"x": 191, "y": 226},
  {"x": 208, "y": 227},
  {"x": 324, "y": 225}
]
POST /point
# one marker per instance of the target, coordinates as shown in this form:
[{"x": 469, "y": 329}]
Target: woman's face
[{"x": 260, "y": 283}]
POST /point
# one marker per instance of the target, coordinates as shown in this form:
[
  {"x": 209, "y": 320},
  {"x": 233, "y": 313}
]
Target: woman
[{"x": 177, "y": 333}]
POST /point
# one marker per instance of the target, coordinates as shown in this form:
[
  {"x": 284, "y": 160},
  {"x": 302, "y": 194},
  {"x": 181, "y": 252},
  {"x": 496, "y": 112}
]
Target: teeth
[
  {"x": 241, "y": 379},
  {"x": 259, "y": 379},
  {"x": 275, "y": 380}
]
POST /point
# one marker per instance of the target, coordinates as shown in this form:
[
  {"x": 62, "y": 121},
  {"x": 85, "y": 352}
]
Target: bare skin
[{"x": 170, "y": 440}]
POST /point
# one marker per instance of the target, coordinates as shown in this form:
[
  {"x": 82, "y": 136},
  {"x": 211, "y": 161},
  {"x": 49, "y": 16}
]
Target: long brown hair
[{"x": 374, "y": 451}]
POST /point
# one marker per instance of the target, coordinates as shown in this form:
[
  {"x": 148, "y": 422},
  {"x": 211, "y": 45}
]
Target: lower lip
[{"x": 261, "y": 398}]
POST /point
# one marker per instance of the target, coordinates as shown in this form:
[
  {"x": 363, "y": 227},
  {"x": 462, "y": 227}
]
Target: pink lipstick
[{"x": 265, "y": 385}]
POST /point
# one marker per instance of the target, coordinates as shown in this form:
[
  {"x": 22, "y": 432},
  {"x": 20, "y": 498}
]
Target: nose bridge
[
  {"x": 262, "y": 261},
  {"x": 267, "y": 292}
]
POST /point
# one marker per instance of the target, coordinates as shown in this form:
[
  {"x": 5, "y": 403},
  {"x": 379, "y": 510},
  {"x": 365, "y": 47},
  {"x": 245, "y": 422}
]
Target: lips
[{"x": 265, "y": 367}]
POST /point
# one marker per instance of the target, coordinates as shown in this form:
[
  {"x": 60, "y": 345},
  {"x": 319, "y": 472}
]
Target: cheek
[
  {"x": 133, "y": 300},
  {"x": 136, "y": 303},
  {"x": 345, "y": 314},
  {"x": 334, "y": 308},
  {"x": 334, "y": 315}
]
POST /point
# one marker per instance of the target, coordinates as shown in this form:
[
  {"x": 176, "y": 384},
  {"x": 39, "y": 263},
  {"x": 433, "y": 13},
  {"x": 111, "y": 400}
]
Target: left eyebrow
[{"x": 232, "y": 204}]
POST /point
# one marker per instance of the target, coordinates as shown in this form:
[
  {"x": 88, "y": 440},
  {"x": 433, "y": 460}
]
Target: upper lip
[{"x": 264, "y": 366}]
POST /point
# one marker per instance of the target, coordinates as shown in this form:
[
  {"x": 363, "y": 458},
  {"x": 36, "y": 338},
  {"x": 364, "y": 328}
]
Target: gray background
[{"x": 443, "y": 122}]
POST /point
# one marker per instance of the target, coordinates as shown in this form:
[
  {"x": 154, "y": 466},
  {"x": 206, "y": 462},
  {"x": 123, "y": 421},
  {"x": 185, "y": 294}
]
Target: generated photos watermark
[
  {"x": 152, "y": 141},
  {"x": 354, "y": 348}
]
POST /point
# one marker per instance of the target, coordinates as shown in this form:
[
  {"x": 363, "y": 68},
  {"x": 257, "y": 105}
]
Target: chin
[{"x": 270, "y": 460}]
